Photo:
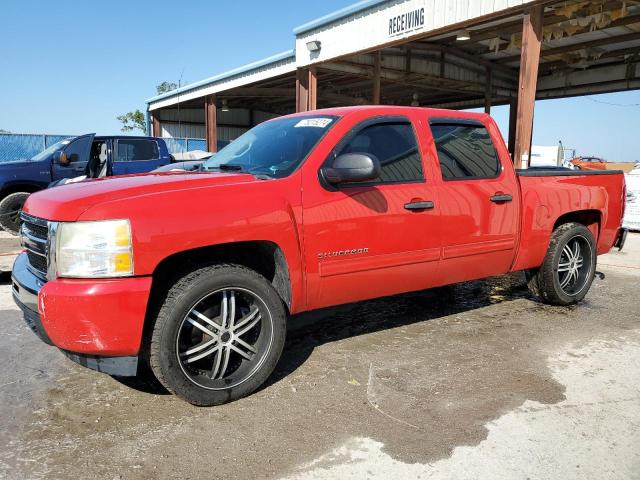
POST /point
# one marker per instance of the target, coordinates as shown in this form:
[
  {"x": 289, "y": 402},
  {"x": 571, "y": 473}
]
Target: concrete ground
[{"x": 475, "y": 381}]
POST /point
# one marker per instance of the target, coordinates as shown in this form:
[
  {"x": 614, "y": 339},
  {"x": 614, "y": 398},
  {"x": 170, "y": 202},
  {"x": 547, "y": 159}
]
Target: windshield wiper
[
  {"x": 231, "y": 167},
  {"x": 225, "y": 167},
  {"x": 234, "y": 167}
]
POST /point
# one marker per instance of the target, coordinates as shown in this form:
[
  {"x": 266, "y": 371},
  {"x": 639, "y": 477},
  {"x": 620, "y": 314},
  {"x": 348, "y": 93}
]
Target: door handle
[
  {"x": 419, "y": 205},
  {"x": 501, "y": 198}
]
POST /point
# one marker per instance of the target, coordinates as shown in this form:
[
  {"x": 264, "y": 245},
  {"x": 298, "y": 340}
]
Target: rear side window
[
  {"x": 465, "y": 151},
  {"x": 394, "y": 145},
  {"x": 137, "y": 150}
]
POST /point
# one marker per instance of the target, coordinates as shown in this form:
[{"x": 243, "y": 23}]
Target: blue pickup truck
[{"x": 88, "y": 155}]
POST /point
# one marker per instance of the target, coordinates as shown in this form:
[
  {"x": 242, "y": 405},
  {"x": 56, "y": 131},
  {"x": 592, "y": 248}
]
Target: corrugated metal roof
[
  {"x": 337, "y": 15},
  {"x": 289, "y": 54}
]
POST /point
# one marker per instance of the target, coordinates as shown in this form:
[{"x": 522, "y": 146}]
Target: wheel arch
[
  {"x": 262, "y": 256},
  {"x": 590, "y": 218},
  {"x": 19, "y": 187}
]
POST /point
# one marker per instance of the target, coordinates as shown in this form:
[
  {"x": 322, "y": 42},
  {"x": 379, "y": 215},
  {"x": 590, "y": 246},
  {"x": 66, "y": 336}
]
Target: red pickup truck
[{"x": 194, "y": 274}]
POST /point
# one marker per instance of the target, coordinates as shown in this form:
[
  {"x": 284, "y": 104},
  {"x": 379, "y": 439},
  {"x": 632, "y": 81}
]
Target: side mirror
[
  {"x": 60, "y": 157},
  {"x": 352, "y": 167}
]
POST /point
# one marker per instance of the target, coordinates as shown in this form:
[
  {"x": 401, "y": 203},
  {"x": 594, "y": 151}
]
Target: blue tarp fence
[{"x": 23, "y": 146}]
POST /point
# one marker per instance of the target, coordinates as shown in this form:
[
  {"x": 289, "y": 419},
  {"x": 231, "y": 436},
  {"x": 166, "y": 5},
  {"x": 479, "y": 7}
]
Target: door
[
  {"x": 78, "y": 155},
  {"x": 136, "y": 155},
  {"x": 377, "y": 238},
  {"x": 479, "y": 201}
]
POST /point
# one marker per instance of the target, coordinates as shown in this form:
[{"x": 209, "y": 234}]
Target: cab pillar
[
  {"x": 211, "y": 123},
  {"x": 527, "y": 84}
]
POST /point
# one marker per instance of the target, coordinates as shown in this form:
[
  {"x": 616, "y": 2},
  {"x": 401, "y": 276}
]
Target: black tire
[
  {"x": 174, "y": 335},
  {"x": 10, "y": 207},
  {"x": 561, "y": 280}
]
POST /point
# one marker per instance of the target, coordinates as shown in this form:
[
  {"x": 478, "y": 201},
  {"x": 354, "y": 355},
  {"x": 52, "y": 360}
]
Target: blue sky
[{"x": 72, "y": 67}]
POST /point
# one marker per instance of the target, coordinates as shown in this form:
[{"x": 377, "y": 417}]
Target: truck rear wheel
[
  {"x": 218, "y": 334},
  {"x": 10, "y": 207},
  {"x": 568, "y": 268}
]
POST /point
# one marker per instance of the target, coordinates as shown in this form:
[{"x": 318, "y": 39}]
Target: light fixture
[
  {"x": 415, "y": 102},
  {"x": 225, "y": 107},
  {"x": 463, "y": 35},
  {"x": 314, "y": 45}
]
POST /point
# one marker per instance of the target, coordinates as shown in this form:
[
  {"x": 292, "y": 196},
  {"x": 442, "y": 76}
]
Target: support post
[
  {"x": 156, "y": 127},
  {"x": 306, "y": 89},
  {"x": 488, "y": 93},
  {"x": 529, "y": 61},
  {"x": 211, "y": 123},
  {"x": 377, "y": 60},
  {"x": 513, "y": 115}
]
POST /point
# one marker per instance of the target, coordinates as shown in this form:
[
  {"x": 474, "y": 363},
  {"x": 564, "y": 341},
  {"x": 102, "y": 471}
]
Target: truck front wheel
[
  {"x": 218, "y": 334},
  {"x": 568, "y": 268},
  {"x": 10, "y": 207}
]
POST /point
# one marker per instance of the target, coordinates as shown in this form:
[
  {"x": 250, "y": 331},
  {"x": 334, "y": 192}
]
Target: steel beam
[
  {"x": 306, "y": 89},
  {"x": 529, "y": 60},
  {"x": 211, "y": 122},
  {"x": 157, "y": 132},
  {"x": 377, "y": 60},
  {"x": 488, "y": 94}
]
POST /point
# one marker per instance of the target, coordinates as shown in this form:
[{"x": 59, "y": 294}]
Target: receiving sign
[{"x": 406, "y": 22}]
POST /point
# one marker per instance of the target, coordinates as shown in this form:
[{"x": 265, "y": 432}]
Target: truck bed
[{"x": 593, "y": 196}]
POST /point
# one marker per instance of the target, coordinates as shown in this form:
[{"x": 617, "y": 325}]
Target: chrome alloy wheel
[
  {"x": 574, "y": 266},
  {"x": 224, "y": 338}
]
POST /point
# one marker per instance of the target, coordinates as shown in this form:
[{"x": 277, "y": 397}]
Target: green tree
[
  {"x": 133, "y": 121},
  {"x": 136, "y": 120},
  {"x": 165, "y": 87},
  {"x": 4, "y": 131}
]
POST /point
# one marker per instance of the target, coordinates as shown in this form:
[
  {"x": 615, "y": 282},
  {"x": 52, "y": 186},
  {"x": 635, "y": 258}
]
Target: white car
[{"x": 631, "y": 218}]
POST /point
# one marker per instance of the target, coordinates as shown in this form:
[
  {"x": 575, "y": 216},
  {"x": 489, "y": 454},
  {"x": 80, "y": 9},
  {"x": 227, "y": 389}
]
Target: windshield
[
  {"x": 48, "y": 151},
  {"x": 275, "y": 148}
]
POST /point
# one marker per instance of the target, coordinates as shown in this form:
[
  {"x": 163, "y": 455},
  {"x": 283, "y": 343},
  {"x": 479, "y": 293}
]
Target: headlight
[{"x": 94, "y": 249}]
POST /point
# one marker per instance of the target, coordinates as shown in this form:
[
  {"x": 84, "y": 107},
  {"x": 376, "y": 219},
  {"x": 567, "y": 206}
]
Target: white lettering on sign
[
  {"x": 406, "y": 22},
  {"x": 313, "y": 122}
]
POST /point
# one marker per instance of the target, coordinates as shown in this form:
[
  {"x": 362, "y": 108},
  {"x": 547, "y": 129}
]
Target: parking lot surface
[{"x": 478, "y": 380}]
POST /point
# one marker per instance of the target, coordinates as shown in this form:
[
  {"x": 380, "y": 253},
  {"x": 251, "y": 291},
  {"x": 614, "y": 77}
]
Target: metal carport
[{"x": 443, "y": 53}]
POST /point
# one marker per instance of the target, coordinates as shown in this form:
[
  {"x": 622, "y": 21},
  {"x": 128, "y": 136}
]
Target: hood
[
  {"x": 16, "y": 162},
  {"x": 68, "y": 202}
]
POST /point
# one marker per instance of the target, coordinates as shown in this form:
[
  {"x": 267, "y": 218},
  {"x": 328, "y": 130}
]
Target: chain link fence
[
  {"x": 23, "y": 146},
  {"x": 180, "y": 145}
]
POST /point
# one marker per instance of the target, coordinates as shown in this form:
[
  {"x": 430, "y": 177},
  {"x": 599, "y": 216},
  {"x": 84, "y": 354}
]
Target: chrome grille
[{"x": 34, "y": 234}]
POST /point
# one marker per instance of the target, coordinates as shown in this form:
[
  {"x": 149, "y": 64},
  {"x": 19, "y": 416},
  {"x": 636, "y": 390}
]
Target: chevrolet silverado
[{"x": 194, "y": 274}]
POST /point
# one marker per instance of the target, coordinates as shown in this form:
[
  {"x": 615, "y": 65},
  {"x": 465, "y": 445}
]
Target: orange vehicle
[{"x": 589, "y": 163}]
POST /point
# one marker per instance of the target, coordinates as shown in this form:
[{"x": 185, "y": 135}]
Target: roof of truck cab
[
  {"x": 128, "y": 137},
  {"x": 388, "y": 110}
]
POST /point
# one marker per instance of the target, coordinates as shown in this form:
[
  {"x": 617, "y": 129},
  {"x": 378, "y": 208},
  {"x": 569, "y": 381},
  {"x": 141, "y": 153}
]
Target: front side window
[
  {"x": 394, "y": 145},
  {"x": 135, "y": 150},
  {"x": 79, "y": 147},
  {"x": 465, "y": 151}
]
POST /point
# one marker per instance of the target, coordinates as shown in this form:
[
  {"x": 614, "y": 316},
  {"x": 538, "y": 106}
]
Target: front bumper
[{"x": 95, "y": 322}]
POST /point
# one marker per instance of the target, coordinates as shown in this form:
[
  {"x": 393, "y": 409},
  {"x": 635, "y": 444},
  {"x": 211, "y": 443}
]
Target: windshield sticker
[{"x": 313, "y": 122}]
